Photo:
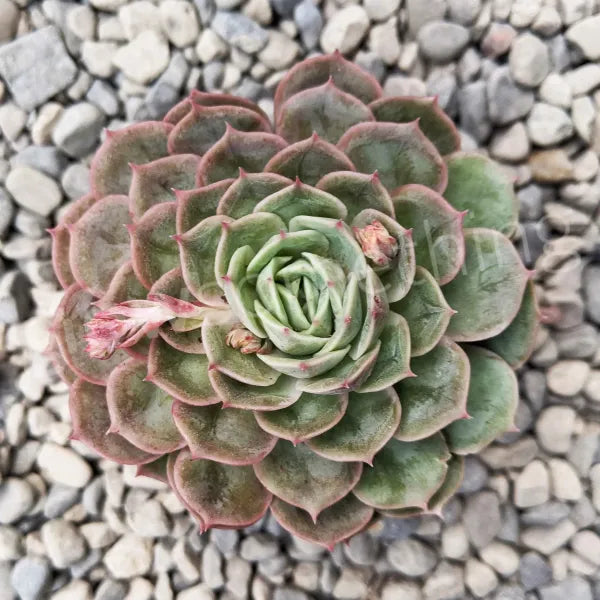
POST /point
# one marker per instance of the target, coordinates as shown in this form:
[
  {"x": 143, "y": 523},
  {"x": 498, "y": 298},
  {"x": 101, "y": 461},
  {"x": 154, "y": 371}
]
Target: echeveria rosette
[{"x": 322, "y": 320}]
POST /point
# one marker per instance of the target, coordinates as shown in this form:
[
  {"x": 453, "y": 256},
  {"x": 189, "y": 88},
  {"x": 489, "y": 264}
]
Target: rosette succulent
[{"x": 321, "y": 317}]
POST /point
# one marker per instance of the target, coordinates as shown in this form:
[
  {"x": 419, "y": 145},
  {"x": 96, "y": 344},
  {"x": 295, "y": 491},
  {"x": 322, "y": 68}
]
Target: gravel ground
[{"x": 522, "y": 78}]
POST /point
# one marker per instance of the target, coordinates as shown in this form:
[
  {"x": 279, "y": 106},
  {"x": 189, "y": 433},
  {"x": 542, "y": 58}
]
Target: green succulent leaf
[
  {"x": 91, "y": 422},
  {"x": 124, "y": 286},
  {"x": 437, "y": 395},
  {"x": 247, "y": 191},
  {"x": 433, "y": 121},
  {"x": 309, "y": 416},
  {"x": 236, "y": 394},
  {"x": 393, "y": 360},
  {"x": 405, "y": 474},
  {"x": 137, "y": 144},
  {"x": 193, "y": 206},
  {"x": 304, "y": 368},
  {"x": 399, "y": 152},
  {"x": 516, "y": 342},
  {"x": 63, "y": 370},
  {"x": 491, "y": 404},
  {"x": 226, "y": 435},
  {"x": 140, "y": 411},
  {"x": 479, "y": 185},
  {"x": 426, "y": 312},
  {"x": 319, "y": 70},
  {"x": 222, "y": 495},
  {"x": 245, "y": 368},
  {"x": 335, "y": 524},
  {"x": 488, "y": 290},
  {"x": 68, "y": 326},
  {"x": 454, "y": 477},
  {"x": 154, "y": 182},
  {"x": 100, "y": 243},
  {"x": 156, "y": 469},
  {"x": 309, "y": 160},
  {"x": 302, "y": 478},
  {"x": 180, "y": 374},
  {"x": 357, "y": 191},
  {"x": 325, "y": 110},
  {"x": 437, "y": 231},
  {"x": 367, "y": 425},
  {"x": 153, "y": 249},
  {"x": 203, "y": 126},
  {"x": 238, "y": 150},
  {"x": 301, "y": 199}
]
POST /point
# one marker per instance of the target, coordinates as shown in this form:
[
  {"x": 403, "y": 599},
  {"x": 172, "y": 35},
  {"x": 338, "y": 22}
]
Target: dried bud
[
  {"x": 107, "y": 331},
  {"x": 377, "y": 244},
  {"x": 246, "y": 342}
]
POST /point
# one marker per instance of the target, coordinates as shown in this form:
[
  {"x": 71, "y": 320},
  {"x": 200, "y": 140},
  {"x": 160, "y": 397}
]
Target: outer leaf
[
  {"x": 310, "y": 415},
  {"x": 393, "y": 360},
  {"x": 223, "y": 495},
  {"x": 233, "y": 393},
  {"x": 247, "y": 191},
  {"x": 335, "y": 524},
  {"x": 368, "y": 424},
  {"x": 182, "y": 375},
  {"x": 203, "y": 126},
  {"x": 300, "y": 199},
  {"x": 73, "y": 312},
  {"x": 154, "y": 182},
  {"x": 141, "y": 412},
  {"x": 399, "y": 152},
  {"x": 235, "y": 150},
  {"x": 426, "y": 312},
  {"x": 226, "y": 435},
  {"x": 246, "y": 368},
  {"x": 433, "y": 121},
  {"x": 325, "y": 110},
  {"x": 516, "y": 342},
  {"x": 100, "y": 243},
  {"x": 171, "y": 461},
  {"x": 153, "y": 249},
  {"x": 479, "y": 185},
  {"x": 193, "y": 206},
  {"x": 357, "y": 191},
  {"x": 302, "y": 478},
  {"x": 492, "y": 403},
  {"x": 124, "y": 286},
  {"x": 137, "y": 144},
  {"x": 172, "y": 284},
  {"x": 404, "y": 474},
  {"x": 61, "y": 239},
  {"x": 197, "y": 249},
  {"x": 437, "y": 230},
  {"x": 91, "y": 422},
  {"x": 157, "y": 469},
  {"x": 309, "y": 160},
  {"x": 437, "y": 395},
  {"x": 63, "y": 370},
  {"x": 317, "y": 71},
  {"x": 454, "y": 476},
  {"x": 487, "y": 292}
]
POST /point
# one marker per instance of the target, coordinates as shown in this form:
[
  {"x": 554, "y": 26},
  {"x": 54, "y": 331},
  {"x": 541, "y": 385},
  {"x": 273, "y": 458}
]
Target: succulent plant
[{"x": 321, "y": 320}]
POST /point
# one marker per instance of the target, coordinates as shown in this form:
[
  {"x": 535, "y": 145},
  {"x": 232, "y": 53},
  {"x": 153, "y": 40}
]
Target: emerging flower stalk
[
  {"x": 246, "y": 342},
  {"x": 377, "y": 243}
]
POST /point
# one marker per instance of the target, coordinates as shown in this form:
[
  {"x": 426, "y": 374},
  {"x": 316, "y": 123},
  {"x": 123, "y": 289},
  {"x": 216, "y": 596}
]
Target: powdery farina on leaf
[{"x": 320, "y": 319}]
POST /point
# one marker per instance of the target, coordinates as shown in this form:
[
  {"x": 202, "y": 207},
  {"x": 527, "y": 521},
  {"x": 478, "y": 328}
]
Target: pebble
[
  {"x": 258, "y": 547},
  {"x": 480, "y": 579},
  {"x": 441, "y": 41},
  {"x": 547, "y": 540},
  {"x": 280, "y": 51},
  {"x": 567, "y": 377},
  {"x": 523, "y": 12},
  {"x": 573, "y": 588},
  {"x": 77, "y": 130},
  {"x": 445, "y": 583},
  {"x": 419, "y": 12},
  {"x": 17, "y": 497},
  {"x": 10, "y": 543},
  {"x": 455, "y": 544},
  {"x": 179, "y": 22},
  {"x": 309, "y": 21},
  {"x": 411, "y": 557},
  {"x": 383, "y": 40},
  {"x": 212, "y": 567},
  {"x": 395, "y": 590},
  {"x": 556, "y": 90},
  {"x": 9, "y": 20},
  {"x": 507, "y": 102},
  {"x": 144, "y": 58},
  {"x": 36, "y": 66},
  {"x": 63, "y": 465},
  {"x": 12, "y": 120},
  {"x": 566, "y": 485},
  {"x": 529, "y": 60},
  {"x": 240, "y": 31},
  {"x": 149, "y": 520},
  {"x": 33, "y": 190},
  {"x": 584, "y": 35},
  {"x": 532, "y": 486},
  {"x": 482, "y": 518},
  {"x": 31, "y": 577},
  {"x": 583, "y": 79},
  {"x": 379, "y": 10},
  {"x": 64, "y": 544},
  {"x": 47, "y": 116},
  {"x": 511, "y": 144},
  {"x": 60, "y": 498},
  {"x": 534, "y": 571},
  {"x": 345, "y": 30},
  {"x": 129, "y": 557},
  {"x": 47, "y": 159},
  {"x": 501, "y": 557},
  {"x": 548, "y": 125}
]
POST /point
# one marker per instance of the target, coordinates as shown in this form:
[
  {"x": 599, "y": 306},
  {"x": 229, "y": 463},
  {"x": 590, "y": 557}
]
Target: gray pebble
[
  {"x": 31, "y": 577},
  {"x": 309, "y": 21},
  {"x": 534, "y": 571},
  {"x": 482, "y": 518},
  {"x": 47, "y": 159},
  {"x": 78, "y": 129},
  {"x": 59, "y": 499},
  {"x": 507, "y": 102},
  {"x": 440, "y": 41},
  {"x": 240, "y": 31}
]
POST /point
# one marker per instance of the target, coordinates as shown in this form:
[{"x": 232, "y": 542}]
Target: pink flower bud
[
  {"x": 246, "y": 342},
  {"x": 377, "y": 244}
]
